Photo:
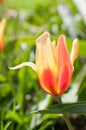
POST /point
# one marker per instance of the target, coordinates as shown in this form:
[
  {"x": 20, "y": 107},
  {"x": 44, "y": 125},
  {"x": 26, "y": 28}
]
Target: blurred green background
[{"x": 19, "y": 90}]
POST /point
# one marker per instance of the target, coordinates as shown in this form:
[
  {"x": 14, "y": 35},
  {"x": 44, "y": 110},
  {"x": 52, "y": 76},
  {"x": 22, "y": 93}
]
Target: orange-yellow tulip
[
  {"x": 54, "y": 65},
  {"x": 2, "y": 26}
]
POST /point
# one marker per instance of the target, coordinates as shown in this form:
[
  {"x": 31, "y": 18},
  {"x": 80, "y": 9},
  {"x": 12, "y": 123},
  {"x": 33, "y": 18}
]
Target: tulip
[
  {"x": 2, "y": 26},
  {"x": 54, "y": 65}
]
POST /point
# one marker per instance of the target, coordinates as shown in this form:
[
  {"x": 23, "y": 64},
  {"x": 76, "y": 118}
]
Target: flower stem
[{"x": 65, "y": 116}]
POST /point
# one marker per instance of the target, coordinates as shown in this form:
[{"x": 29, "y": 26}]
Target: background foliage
[{"x": 19, "y": 90}]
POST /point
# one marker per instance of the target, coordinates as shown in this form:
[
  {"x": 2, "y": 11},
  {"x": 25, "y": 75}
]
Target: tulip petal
[
  {"x": 30, "y": 64},
  {"x": 2, "y": 26},
  {"x": 39, "y": 52},
  {"x": 74, "y": 51},
  {"x": 49, "y": 82},
  {"x": 45, "y": 52},
  {"x": 1, "y": 43},
  {"x": 49, "y": 54},
  {"x": 54, "y": 49},
  {"x": 64, "y": 65},
  {"x": 46, "y": 64}
]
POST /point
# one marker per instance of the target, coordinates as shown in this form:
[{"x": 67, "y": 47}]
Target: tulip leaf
[{"x": 72, "y": 108}]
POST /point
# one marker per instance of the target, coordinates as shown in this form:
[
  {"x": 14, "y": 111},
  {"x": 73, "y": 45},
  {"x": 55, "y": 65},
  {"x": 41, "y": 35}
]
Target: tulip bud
[{"x": 54, "y": 65}]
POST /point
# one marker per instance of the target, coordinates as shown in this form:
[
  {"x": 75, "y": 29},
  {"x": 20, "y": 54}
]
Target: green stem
[{"x": 65, "y": 116}]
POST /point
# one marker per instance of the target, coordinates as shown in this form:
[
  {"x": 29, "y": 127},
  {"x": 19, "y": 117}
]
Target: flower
[
  {"x": 54, "y": 65},
  {"x": 2, "y": 26}
]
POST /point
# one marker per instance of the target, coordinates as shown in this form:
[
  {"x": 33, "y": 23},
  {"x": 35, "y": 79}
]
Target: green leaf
[
  {"x": 73, "y": 108},
  {"x": 7, "y": 125},
  {"x": 14, "y": 116}
]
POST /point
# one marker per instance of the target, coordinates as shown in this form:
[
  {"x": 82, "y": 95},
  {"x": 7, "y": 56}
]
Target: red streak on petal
[
  {"x": 48, "y": 82},
  {"x": 64, "y": 80},
  {"x": 64, "y": 65},
  {"x": 1, "y": 46}
]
